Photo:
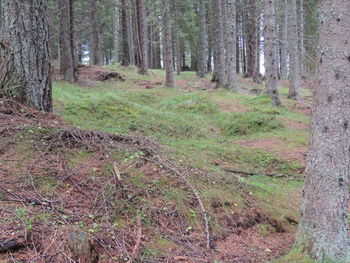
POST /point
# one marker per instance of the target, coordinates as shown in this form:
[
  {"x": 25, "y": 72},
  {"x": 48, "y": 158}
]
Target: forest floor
[{"x": 140, "y": 169}]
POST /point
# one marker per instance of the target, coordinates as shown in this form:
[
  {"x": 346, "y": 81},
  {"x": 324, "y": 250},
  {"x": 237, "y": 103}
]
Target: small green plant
[{"x": 23, "y": 216}]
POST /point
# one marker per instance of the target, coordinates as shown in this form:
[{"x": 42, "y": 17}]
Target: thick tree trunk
[
  {"x": 219, "y": 44},
  {"x": 25, "y": 54},
  {"x": 270, "y": 52},
  {"x": 168, "y": 56},
  {"x": 323, "y": 227},
  {"x": 294, "y": 66},
  {"x": 231, "y": 45},
  {"x": 68, "y": 63},
  {"x": 142, "y": 36},
  {"x": 125, "y": 41},
  {"x": 202, "y": 56},
  {"x": 95, "y": 57}
]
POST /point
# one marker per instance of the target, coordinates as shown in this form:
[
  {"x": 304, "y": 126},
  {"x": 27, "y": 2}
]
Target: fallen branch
[
  {"x": 136, "y": 248},
  {"x": 252, "y": 173},
  {"x": 209, "y": 241},
  {"x": 12, "y": 244}
]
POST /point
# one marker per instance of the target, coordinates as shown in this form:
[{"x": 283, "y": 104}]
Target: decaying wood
[{"x": 12, "y": 244}]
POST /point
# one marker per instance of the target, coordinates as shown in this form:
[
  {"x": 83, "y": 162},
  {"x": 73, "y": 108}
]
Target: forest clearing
[{"x": 158, "y": 131}]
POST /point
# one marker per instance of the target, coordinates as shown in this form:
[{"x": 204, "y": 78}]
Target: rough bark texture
[
  {"x": 284, "y": 41},
  {"x": 129, "y": 35},
  {"x": 231, "y": 45},
  {"x": 202, "y": 57},
  {"x": 68, "y": 59},
  {"x": 168, "y": 56},
  {"x": 294, "y": 66},
  {"x": 142, "y": 36},
  {"x": 270, "y": 52},
  {"x": 323, "y": 227},
  {"x": 24, "y": 53},
  {"x": 252, "y": 41},
  {"x": 116, "y": 31},
  {"x": 125, "y": 43},
  {"x": 95, "y": 56},
  {"x": 219, "y": 44}
]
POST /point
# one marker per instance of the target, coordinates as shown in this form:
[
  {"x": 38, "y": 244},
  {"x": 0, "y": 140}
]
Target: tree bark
[
  {"x": 202, "y": 56},
  {"x": 117, "y": 31},
  {"x": 129, "y": 33},
  {"x": 284, "y": 41},
  {"x": 231, "y": 45},
  {"x": 25, "y": 53},
  {"x": 142, "y": 36},
  {"x": 68, "y": 59},
  {"x": 168, "y": 50},
  {"x": 294, "y": 66},
  {"x": 270, "y": 52},
  {"x": 251, "y": 40},
  {"x": 96, "y": 56},
  {"x": 219, "y": 44},
  {"x": 323, "y": 227}
]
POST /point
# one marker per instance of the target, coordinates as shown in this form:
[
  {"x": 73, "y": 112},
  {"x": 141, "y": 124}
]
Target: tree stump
[{"x": 81, "y": 247}]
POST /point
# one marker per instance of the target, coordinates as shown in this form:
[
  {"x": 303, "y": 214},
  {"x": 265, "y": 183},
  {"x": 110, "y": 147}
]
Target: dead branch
[
  {"x": 12, "y": 244},
  {"x": 252, "y": 173},
  {"x": 136, "y": 248}
]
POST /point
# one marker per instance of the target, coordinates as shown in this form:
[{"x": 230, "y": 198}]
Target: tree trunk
[
  {"x": 323, "y": 227},
  {"x": 294, "y": 66},
  {"x": 95, "y": 57},
  {"x": 270, "y": 52},
  {"x": 117, "y": 31},
  {"x": 219, "y": 44},
  {"x": 284, "y": 41},
  {"x": 231, "y": 45},
  {"x": 125, "y": 41},
  {"x": 68, "y": 63},
  {"x": 202, "y": 56},
  {"x": 168, "y": 50},
  {"x": 25, "y": 54},
  {"x": 142, "y": 36},
  {"x": 129, "y": 32},
  {"x": 251, "y": 39}
]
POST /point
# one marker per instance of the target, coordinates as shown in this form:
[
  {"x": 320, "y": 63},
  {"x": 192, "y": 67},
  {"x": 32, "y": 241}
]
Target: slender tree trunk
[
  {"x": 96, "y": 56},
  {"x": 168, "y": 50},
  {"x": 251, "y": 33},
  {"x": 324, "y": 226},
  {"x": 302, "y": 37},
  {"x": 129, "y": 36},
  {"x": 202, "y": 56},
  {"x": 25, "y": 53},
  {"x": 117, "y": 31},
  {"x": 68, "y": 63},
  {"x": 142, "y": 36},
  {"x": 294, "y": 71},
  {"x": 219, "y": 44},
  {"x": 284, "y": 41},
  {"x": 270, "y": 52},
  {"x": 231, "y": 45}
]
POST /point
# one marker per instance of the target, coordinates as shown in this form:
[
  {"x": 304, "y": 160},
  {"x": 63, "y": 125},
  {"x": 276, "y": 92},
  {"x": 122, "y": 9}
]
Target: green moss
[{"x": 249, "y": 123}]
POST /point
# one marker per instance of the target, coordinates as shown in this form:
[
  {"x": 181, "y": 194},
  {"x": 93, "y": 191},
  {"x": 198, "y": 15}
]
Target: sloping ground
[{"x": 118, "y": 196}]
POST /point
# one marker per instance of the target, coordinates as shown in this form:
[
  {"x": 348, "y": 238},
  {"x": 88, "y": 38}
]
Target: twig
[
  {"x": 136, "y": 248},
  {"x": 209, "y": 242},
  {"x": 252, "y": 173}
]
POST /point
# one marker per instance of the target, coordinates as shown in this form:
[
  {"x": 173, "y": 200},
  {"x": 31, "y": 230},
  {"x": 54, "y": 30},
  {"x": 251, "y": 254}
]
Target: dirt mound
[{"x": 87, "y": 74}]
